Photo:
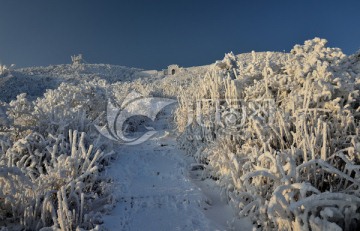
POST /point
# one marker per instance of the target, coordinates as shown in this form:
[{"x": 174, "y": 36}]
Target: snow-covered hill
[
  {"x": 41, "y": 103},
  {"x": 34, "y": 81},
  {"x": 249, "y": 164}
]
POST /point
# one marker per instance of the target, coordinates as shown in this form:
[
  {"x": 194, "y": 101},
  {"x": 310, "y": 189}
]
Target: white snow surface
[{"x": 156, "y": 189}]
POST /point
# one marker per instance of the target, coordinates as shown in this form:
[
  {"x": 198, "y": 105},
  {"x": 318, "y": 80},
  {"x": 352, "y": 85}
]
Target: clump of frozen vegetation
[
  {"x": 77, "y": 59},
  {"x": 70, "y": 106},
  {"x": 52, "y": 182},
  {"x": 51, "y": 158},
  {"x": 4, "y": 70},
  {"x": 281, "y": 136}
]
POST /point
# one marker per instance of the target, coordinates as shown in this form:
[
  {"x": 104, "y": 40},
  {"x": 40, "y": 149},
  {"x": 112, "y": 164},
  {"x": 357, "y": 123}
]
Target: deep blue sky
[{"x": 152, "y": 34}]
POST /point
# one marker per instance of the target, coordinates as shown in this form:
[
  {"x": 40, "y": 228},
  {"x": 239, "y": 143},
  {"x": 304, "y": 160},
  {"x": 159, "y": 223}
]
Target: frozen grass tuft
[{"x": 52, "y": 182}]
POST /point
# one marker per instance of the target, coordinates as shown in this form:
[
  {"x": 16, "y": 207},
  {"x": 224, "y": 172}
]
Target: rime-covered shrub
[
  {"x": 282, "y": 137},
  {"x": 156, "y": 87},
  {"x": 20, "y": 111},
  {"x": 70, "y": 106},
  {"x": 52, "y": 182},
  {"x": 49, "y": 175},
  {"x": 122, "y": 89},
  {"x": 4, "y": 70}
]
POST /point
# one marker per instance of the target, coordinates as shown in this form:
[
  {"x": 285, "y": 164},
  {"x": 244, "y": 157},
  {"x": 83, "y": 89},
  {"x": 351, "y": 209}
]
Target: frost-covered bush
[
  {"x": 4, "y": 70},
  {"x": 70, "y": 106},
  {"x": 20, "y": 112},
  {"x": 122, "y": 89},
  {"x": 289, "y": 158},
  {"x": 52, "y": 182},
  {"x": 156, "y": 87},
  {"x": 49, "y": 175}
]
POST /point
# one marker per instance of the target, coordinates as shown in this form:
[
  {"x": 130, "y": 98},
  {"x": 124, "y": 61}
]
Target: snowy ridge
[{"x": 36, "y": 80}]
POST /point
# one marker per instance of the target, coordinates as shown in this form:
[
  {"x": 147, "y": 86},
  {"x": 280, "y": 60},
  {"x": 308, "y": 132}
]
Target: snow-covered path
[
  {"x": 156, "y": 191},
  {"x": 153, "y": 190}
]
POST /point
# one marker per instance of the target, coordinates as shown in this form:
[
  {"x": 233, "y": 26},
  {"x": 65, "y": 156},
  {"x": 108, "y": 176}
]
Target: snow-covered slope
[
  {"x": 41, "y": 104},
  {"x": 282, "y": 138},
  {"x": 281, "y": 166},
  {"x": 62, "y": 97},
  {"x": 35, "y": 80}
]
